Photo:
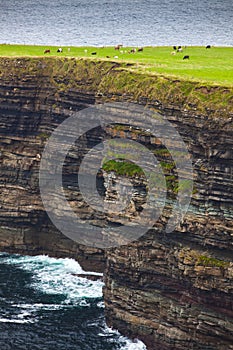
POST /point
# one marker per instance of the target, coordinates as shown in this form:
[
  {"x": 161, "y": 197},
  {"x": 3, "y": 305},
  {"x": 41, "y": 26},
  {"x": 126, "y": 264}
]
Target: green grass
[
  {"x": 122, "y": 168},
  {"x": 211, "y": 262},
  {"x": 214, "y": 66}
]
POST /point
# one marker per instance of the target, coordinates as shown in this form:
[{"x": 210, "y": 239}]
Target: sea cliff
[{"x": 173, "y": 291}]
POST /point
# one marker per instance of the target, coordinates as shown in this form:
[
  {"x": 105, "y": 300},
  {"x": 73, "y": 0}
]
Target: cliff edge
[{"x": 173, "y": 291}]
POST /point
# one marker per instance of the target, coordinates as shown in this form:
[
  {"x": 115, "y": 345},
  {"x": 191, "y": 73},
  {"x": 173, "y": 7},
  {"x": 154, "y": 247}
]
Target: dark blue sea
[
  {"x": 44, "y": 306},
  {"x": 107, "y": 22}
]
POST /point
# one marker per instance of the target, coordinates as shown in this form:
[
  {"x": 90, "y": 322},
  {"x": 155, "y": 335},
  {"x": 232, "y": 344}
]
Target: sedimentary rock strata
[{"x": 173, "y": 291}]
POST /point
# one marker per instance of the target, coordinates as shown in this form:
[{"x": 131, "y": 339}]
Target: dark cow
[
  {"x": 94, "y": 53},
  {"x": 186, "y": 57},
  {"x": 133, "y": 50},
  {"x": 208, "y": 47},
  {"x": 59, "y": 50},
  {"x": 118, "y": 47},
  {"x": 47, "y": 51},
  {"x": 140, "y": 49},
  {"x": 174, "y": 47},
  {"x": 108, "y": 57}
]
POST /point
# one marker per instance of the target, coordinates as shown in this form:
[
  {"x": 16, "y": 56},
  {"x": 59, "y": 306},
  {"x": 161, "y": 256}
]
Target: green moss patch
[
  {"x": 122, "y": 168},
  {"x": 211, "y": 262}
]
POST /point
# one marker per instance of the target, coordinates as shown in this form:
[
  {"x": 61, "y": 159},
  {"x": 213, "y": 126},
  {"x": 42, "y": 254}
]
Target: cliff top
[{"x": 212, "y": 66}]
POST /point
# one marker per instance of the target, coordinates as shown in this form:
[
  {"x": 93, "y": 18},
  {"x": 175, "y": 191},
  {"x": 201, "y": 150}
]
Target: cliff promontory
[{"x": 172, "y": 290}]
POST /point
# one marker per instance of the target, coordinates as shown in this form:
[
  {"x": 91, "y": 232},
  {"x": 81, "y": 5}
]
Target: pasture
[{"x": 213, "y": 66}]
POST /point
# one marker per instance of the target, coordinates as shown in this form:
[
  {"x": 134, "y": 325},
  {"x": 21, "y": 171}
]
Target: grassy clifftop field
[{"x": 213, "y": 66}]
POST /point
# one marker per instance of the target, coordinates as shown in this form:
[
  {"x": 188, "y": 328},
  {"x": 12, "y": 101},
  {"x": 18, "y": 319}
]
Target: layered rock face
[
  {"x": 33, "y": 102},
  {"x": 173, "y": 291}
]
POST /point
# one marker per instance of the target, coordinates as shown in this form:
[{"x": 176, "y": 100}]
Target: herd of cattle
[
  {"x": 48, "y": 50},
  {"x": 119, "y": 47},
  {"x": 180, "y": 49}
]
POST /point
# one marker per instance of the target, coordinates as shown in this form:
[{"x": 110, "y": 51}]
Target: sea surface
[
  {"x": 110, "y": 22},
  {"x": 44, "y": 306}
]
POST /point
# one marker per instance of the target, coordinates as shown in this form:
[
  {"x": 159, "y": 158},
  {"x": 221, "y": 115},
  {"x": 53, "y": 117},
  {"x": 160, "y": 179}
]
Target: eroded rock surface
[{"x": 173, "y": 291}]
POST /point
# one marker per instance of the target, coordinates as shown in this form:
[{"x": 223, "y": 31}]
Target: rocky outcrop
[
  {"x": 173, "y": 291},
  {"x": 170, "y": 295},
  {"x": 33, "y": 101}
]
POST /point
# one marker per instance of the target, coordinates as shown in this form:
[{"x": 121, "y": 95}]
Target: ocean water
[
  {"x": 44, "y": 306},
  {"x": 110, "y": 22}
]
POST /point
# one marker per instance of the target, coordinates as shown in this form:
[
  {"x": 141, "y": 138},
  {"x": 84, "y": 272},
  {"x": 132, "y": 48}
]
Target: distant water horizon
[{"x": 110, "y": 22}]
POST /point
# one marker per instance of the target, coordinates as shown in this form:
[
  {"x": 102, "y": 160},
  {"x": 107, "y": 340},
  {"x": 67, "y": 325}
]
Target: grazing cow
[
  {"x": 174, "y": 47},
  {"x": 47, "y": 51},
  {"x": 118, "y": 47},
  {"x": 94, "y": 53},
  {"x": 208, "y": 47},
  {"x": 179, "y": 49},
  {"x": 108, "y": 57},
  {"x": 186, "y": 57},
  {"x": 132, "y": 50},
  {"x": 140, "y": 49},
  {"x": 59, "y": 50}
]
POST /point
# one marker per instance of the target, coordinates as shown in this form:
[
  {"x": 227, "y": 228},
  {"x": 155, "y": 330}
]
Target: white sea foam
[
  {"x": 101, "y": 304},
  {"x": 57, "y": 277},
  {"x": 22, "y": 317},
  {"x": 7, "y": 320},
  {"x": 137, "y": 345},
  {"x": 37, "y": 307},
  {"x": 125, "y": 343}
]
